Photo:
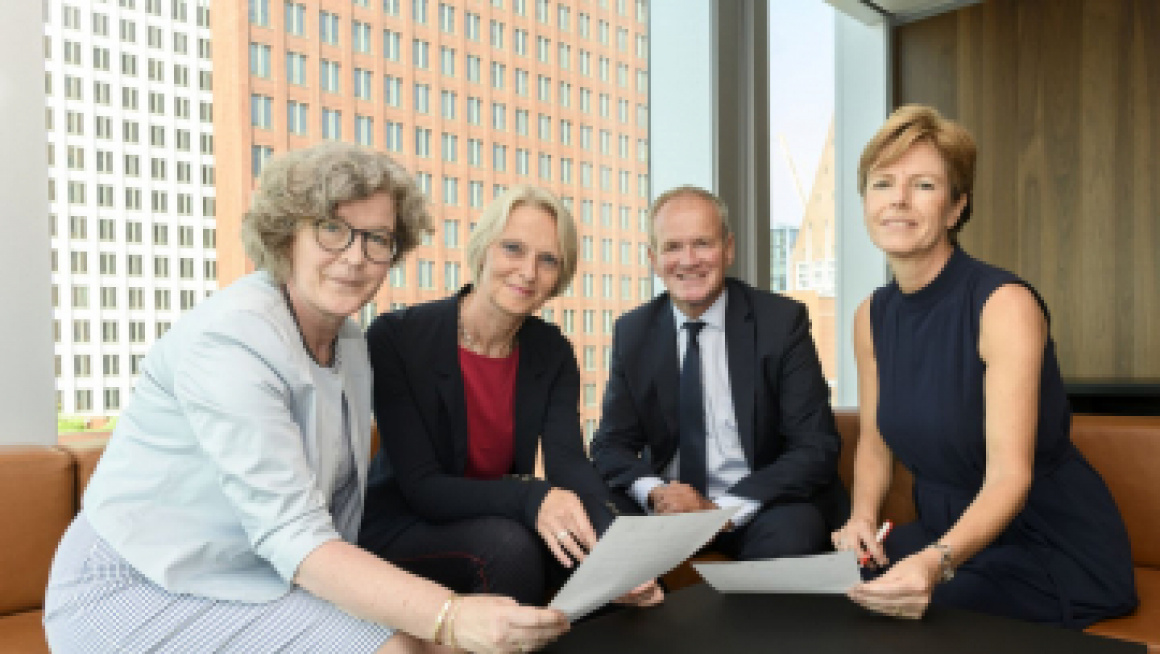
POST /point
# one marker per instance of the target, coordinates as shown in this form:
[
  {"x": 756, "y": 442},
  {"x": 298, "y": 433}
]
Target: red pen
[{"x": 864, "y": 557}]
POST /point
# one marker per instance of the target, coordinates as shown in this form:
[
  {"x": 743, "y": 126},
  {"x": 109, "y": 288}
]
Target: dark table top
[{"x": 699, "y": 619}]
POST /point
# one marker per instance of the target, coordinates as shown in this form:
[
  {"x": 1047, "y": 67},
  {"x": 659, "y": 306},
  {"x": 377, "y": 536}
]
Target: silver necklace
[{"x": 471, "y": 341}]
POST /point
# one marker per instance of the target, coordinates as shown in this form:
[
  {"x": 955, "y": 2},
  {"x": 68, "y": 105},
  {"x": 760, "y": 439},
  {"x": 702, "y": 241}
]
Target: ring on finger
[{"x": 563, "y": 534}]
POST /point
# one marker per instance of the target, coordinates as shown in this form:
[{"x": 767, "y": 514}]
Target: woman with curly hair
[{"x": 223, "y": 513}]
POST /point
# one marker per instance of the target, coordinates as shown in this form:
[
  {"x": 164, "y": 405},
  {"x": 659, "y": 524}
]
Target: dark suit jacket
[
  {"x": 781, "y": 399},
  {"x": 422, "y": 419}
]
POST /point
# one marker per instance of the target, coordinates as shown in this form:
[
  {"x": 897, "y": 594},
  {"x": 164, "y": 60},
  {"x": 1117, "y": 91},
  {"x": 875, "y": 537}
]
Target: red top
[{"x": 489, "y": 390}]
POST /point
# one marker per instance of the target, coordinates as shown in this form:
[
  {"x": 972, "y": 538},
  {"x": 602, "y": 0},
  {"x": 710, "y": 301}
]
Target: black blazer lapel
[
  {"x": 741, "y": 343},
  {"x": 660, "y": 345},
  {"x": 530, "y": 400},
  {"x": 449, "y": 379}
]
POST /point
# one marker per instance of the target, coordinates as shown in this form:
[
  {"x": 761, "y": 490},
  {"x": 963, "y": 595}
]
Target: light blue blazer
[{"x": 218, "y": 479}]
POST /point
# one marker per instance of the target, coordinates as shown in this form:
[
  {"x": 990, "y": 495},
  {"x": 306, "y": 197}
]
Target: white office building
[{"x": 129, "y": 116}]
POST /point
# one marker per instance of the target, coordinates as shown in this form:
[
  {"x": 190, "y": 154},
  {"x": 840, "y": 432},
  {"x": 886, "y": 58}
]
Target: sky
[
  {"x": 801, "y": 98},
  {"x": 681, "y": 104}
]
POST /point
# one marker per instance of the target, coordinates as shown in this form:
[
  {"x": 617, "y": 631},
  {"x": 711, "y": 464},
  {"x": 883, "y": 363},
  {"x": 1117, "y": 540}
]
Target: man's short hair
[{"x": 687, "y": 189}]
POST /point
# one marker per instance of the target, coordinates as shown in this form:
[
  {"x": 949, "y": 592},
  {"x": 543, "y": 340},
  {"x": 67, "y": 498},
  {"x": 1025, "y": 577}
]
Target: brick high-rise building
[{"x": 471, "y": 96}]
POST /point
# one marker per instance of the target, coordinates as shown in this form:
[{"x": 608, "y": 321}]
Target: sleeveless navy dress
[{"x": 1065, "y": 558}]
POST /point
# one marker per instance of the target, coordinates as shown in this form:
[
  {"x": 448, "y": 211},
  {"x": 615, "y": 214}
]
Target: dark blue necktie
[{"x": 692, "y": 413}]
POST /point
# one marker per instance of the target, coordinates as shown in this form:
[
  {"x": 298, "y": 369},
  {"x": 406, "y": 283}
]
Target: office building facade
[
  {"x": 129, "y": 111},
  {"x": 472, "y": 96},
  {"x": 781, "y": 242}
]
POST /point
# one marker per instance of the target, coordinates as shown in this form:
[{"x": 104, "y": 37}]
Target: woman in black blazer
[{"x": 466, "y": 388}]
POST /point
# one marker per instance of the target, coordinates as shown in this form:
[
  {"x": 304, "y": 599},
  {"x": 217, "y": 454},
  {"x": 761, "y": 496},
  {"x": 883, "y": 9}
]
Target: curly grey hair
[{"x": 311, "y": 183}]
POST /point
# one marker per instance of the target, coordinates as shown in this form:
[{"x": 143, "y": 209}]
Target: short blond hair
[
  {"x": 914, "y": 123},
  {"x": 696, "y": 191},
  {"x": 311, "y": 183},
  {"x": 495, "y": 217}
]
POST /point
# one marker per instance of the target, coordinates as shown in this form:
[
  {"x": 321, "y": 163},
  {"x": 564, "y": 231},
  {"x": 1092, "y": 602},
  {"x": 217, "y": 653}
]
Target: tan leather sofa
[
  {"x": 38, "y": 499},
  {"x": 40, "y": 489}
]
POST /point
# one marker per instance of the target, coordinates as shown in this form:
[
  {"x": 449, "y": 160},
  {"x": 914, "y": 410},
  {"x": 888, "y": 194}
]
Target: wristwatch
[{"x": 946, "y": 571}]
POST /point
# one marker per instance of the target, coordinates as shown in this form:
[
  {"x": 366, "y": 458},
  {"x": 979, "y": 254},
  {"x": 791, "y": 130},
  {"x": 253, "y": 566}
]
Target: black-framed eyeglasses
[{"x": 334, "y": 235}]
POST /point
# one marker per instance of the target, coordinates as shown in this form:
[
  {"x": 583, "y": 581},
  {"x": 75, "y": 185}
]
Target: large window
[
  {"x": 696, "y": 135},
  {"x": 803, "y": 217}
]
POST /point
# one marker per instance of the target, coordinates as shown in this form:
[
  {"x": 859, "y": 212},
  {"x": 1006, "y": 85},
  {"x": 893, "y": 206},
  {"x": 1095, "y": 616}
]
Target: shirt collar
[{"x": 714, "y": 316}]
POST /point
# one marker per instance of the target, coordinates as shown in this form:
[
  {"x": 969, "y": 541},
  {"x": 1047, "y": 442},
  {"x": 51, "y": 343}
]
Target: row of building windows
[
  {"x": 158, "y": 102},
  {"x": 567, "y": 321},
  {"x": 135, "y": 331},
  {"x": 75, "y": 159},
  {"x": 132, "y": 230},
  {"x": 261, "y": 66},
  {"x": 77, "y": 194},
  {"x": 113, "y": 264},
  {"x": 111, "y": 297},
  {"x": 295, "y": 18},
  {"x": 155, "y": 69},
  {"x": 330, "y": 81},
  {"x": 84, "y": 399},
  {"x": 179, "y": 13},
  {"x": 104, "y": 126},
  {"x": 298, "y": 119},
  {"x": 110, "y": 333},
  {"x": 607, "y": 250},
  {"x": 134, "y": 266},
  {"x": 71, "y": 51},
  {"x": 110, "y": 363}
]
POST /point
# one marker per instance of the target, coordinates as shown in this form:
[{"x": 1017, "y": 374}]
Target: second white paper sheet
[
  {"x": 636, "y": 549},
  {"x": 818, "y": 574}
]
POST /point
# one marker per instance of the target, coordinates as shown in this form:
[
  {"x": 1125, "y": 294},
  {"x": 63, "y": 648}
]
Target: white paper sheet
[
  {"x": 633, "y": 550},
  {"x": 832, "y": 574}
]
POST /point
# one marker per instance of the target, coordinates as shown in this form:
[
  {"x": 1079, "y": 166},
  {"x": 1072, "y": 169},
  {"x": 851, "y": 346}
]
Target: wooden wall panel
[{"x": 1063, "y": 97}]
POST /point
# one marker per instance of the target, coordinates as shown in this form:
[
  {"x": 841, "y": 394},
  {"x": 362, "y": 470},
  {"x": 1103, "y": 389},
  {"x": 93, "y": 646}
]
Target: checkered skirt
[{"x": 97, "y": 602}]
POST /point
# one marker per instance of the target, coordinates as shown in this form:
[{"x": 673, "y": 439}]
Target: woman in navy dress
[{"x": 958, "y": 380}]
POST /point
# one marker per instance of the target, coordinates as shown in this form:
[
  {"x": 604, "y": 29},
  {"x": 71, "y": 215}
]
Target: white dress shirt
[{"x": 724, "y": 457}]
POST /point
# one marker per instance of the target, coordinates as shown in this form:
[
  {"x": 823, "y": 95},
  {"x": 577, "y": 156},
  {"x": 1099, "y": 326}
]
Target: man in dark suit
[{"x": 716, "y": 397}]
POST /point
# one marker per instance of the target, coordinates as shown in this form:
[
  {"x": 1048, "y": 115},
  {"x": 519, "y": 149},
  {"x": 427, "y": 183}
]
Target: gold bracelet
[
  {"x": 449, "y": 628},
  {"x": 443, "y": 617}
]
